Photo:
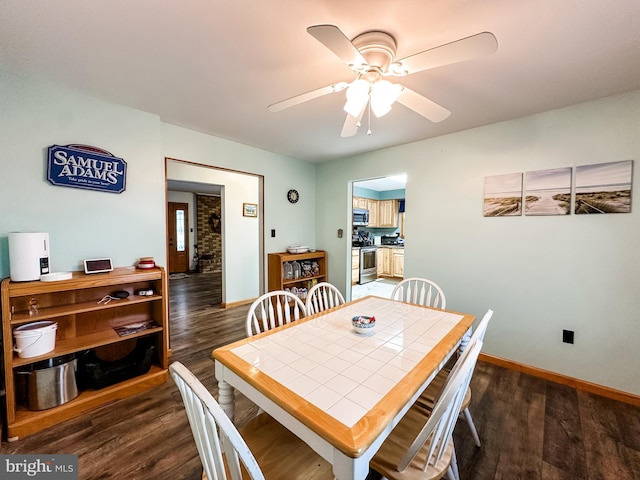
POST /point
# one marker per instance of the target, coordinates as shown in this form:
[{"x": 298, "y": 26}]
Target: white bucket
[{"x": 35, "y": 339}]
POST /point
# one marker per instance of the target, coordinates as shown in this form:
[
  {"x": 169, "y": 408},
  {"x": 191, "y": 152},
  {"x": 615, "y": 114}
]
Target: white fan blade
[
  {"x": 467, "y": 48},
  {"x": 351, "y": 124},
  {"x": 336, "y": 41},
  {"x": 425, "y": 107},
  {"x": 305, "y": 97}
]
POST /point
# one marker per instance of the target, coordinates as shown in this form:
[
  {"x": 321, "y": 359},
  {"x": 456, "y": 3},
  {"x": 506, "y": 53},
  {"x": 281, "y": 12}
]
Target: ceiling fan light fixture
[
  {"x": 372, "y": 56},
  {"x": 397, "y": 69},
  {"x": 383, "y": 96},
  {"x": 338, "y": 87},
  {"x": 357, "y": 97}
]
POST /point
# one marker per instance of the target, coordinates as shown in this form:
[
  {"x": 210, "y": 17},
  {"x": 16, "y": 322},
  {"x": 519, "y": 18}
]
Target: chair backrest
[
  {"x": 438, "y": 429},
  {"x": 323, "y": 296},
  {"x": 272, "y": 310},
  {"x": 477, "y": 334},
  {"x": 481, "y": 329},
  {"x": 419, "y": 291},
  {"x": 213, "y": 431}
]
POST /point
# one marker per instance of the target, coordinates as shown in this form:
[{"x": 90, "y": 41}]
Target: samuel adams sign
[{"x": 82, "y": 166}]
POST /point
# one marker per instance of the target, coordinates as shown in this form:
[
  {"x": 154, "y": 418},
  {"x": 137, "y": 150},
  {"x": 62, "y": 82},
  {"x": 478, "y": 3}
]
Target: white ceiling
[
  {"x": 214, "y": 66},
  {"x": 195, "y": 187},
  {"x": 383, "y": 184}
]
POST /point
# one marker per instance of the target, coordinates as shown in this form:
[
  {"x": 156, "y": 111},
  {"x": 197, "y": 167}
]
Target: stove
[
  {"x": 361, "y": 243},
  {"x": 368, "y": 267}
]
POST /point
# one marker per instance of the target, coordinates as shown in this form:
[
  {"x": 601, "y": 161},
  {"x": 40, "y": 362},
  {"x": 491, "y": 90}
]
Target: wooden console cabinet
[
  {"x": 277, "y": 280},
  {"x": 84, "y": 324}
]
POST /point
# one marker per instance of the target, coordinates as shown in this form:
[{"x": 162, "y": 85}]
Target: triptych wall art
[{"x": 599, "y": 188}]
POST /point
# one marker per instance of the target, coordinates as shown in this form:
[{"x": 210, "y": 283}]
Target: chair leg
[
  {"x": 450, "y": 475},
  {"x": 474, "y": 432},
  {"x": 453, "y": 466}
]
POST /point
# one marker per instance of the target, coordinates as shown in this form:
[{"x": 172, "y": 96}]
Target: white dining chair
[
  {"x": 419, "y": 291},
  {"x": 421, "y": 445},
  {"x": 431, "y": 393},
  {"x": 323, "y": 296},
  {"x": 273, "y": 309},
  {"x": 262, "y": 448}
]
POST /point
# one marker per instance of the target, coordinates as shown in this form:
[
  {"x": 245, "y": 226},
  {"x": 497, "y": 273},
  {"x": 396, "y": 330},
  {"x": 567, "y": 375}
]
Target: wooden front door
[{"x": 178, "y": 237}]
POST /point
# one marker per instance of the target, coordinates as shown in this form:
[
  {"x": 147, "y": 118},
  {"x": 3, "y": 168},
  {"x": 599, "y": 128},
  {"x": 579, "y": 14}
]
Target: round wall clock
[{"x": 293, "y": 196}]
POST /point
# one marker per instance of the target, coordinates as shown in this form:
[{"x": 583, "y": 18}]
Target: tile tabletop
[{"x": 344, "y": 373}]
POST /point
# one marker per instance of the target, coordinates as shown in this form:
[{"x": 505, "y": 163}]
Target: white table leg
[
  {"x": 226, "y": 398},
  {"x": 465, "y": 340},
  {"x": 348, "y": 468}
]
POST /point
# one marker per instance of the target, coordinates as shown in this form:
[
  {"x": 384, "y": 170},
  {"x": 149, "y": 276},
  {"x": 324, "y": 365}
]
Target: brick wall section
[{"x": 209, "y": 213}]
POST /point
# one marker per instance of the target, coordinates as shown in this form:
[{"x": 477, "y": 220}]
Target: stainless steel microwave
[{"x": 360, "y": 217}]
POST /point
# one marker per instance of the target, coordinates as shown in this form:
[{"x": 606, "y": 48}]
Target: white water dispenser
[{"x": 28, "y": 255}]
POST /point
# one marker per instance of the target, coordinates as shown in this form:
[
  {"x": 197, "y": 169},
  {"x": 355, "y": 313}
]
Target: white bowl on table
[{"x": 363, "y": 324}]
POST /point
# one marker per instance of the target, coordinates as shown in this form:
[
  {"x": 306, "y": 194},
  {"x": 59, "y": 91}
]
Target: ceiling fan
[{"x": 371, "y": 56}]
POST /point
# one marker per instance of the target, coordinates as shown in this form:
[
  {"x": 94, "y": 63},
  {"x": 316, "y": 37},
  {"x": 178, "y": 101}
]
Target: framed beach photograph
[
  {"x": 249, "y": 210},
  {"x": 547, "y": 192},
  {"x": 503, "y": 195},
  {"x": 604, "y": 188}
]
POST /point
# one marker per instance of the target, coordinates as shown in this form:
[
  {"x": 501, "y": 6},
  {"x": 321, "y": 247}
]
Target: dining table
[{"x": 340, "y": 391}]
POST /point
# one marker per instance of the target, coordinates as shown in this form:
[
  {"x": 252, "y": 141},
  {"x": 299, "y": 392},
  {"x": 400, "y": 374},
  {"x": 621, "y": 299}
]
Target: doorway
[
  {"x": 242, "y": 238},
  {"x": 380, "y": 236},
  {"x": 178, "y": 233}
]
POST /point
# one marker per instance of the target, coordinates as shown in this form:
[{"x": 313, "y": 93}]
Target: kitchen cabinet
[
  {"x": 355, "y": 265},
  {"x": 388, "y": 213},
  {"x": 384, "y": 261},
  {"x": 379, "y": 260},
  {"x": 368, "y": 204},
  {"x": 398, "y": 262},
  {"x": 382, "y": 213},
  {"x": 313, "y": 270},
  {"x": 372, "y": 206},
  {"x": 85, "y": 326},
  {"x": 360, "y": 202}
]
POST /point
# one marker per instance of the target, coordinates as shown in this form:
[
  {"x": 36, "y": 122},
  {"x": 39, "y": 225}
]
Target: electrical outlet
[{"x": 567, "y": 336}]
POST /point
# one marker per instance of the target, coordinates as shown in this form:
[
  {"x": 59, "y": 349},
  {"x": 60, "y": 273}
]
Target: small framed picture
[{"x": 249, "y": 210}]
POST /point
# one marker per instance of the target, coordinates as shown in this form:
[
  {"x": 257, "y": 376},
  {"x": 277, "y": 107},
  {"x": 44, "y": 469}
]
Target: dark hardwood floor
[{"x": 530, "y": 428}]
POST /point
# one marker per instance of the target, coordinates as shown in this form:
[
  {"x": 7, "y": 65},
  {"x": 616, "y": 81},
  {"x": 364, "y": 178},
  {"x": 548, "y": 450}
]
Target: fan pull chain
[{"x": 369, "y": 130}]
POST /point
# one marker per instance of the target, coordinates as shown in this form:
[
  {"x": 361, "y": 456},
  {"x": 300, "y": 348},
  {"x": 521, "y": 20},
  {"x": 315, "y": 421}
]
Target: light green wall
[
  {"x": 81, "y": 224},
  {"x": 87, "y": 224},
  {"x": 294, "y": 223},
  {"x": 539, "y": 274}
]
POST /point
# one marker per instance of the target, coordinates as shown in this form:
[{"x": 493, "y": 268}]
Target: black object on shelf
[{"x": 96, "y": 373}]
